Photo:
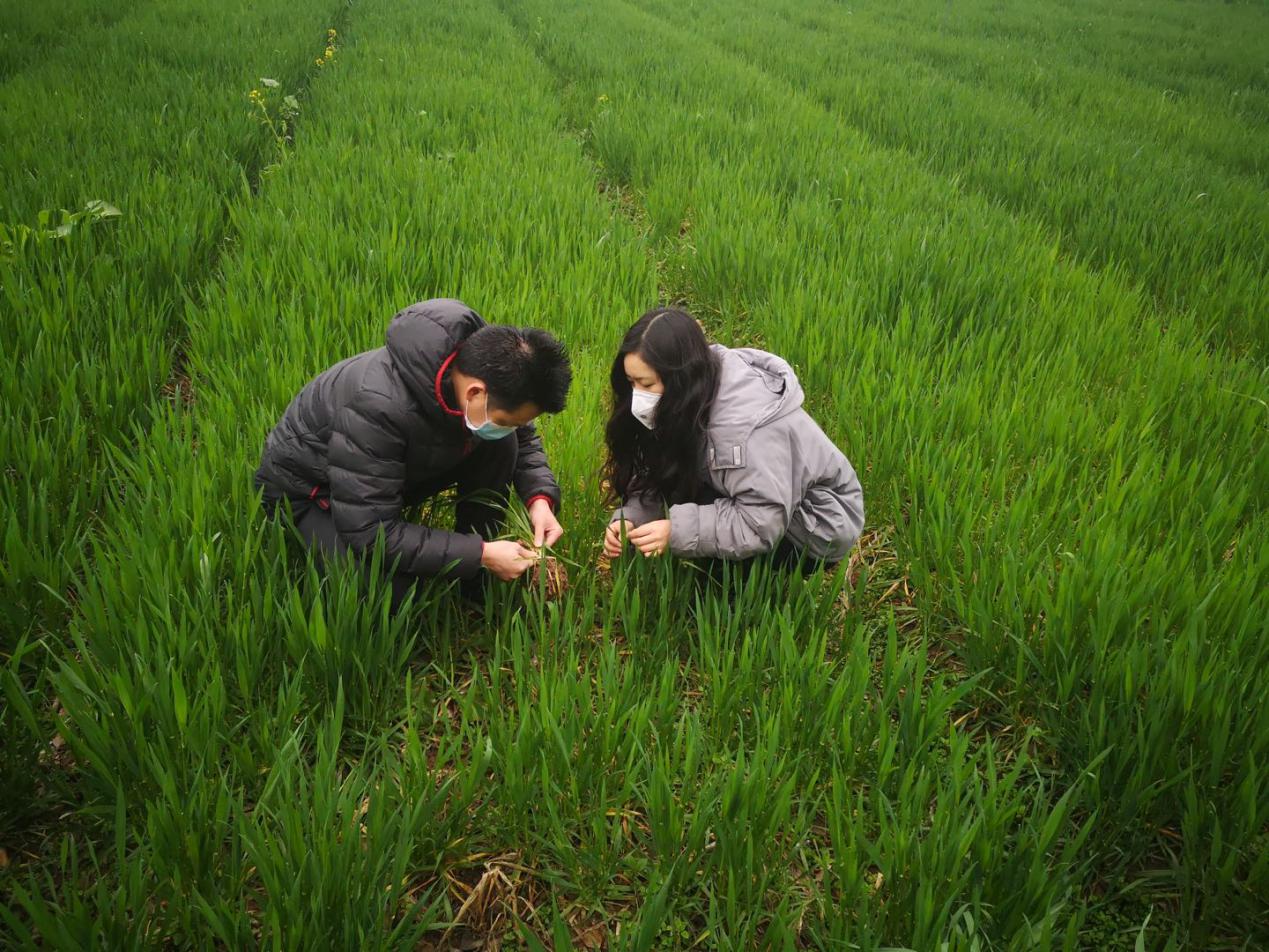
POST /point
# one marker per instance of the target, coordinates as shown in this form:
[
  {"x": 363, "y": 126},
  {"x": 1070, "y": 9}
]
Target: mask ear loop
[{"x": 468, "y": 415}]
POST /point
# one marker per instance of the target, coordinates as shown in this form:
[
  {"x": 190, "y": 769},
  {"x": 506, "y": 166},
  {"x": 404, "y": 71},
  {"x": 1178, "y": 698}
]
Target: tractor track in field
[
  {"x": 887, "y": 592},
  {"x": 620, "y": 193},
  {"x": 176, "y": 392},
  {"x": 985, "y": 717},
  {"x": 178, "y": 389},
  {"x": 1070, "y": 256},
  {"x": 889, "y": 588},
  {"x": 926, "y": 56},
  {"x": 1153, "y": 313},
  {"x": 627, "y": 200},
  {"x": 188, "y": 291}
]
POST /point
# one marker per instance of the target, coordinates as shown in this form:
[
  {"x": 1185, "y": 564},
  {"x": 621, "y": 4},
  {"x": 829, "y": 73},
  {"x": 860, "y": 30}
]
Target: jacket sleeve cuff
[
  {"x": 685, "y": 529},
  {"x": 470, "y": 549},
  {"x": 550, "y": 493},
  {"x": 639, "y": 510}
]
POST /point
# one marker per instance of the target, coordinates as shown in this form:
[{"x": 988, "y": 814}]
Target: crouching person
[
  {"x": 711, "y": 454},
  {"x": 449, "y": 401}
]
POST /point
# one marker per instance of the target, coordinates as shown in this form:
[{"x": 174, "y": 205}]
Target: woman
[{"x": 711, "y": 455}]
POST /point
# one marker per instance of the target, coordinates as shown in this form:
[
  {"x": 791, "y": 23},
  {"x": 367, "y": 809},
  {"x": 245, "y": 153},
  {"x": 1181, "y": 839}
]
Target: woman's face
[{"x": 641, "y": 376}]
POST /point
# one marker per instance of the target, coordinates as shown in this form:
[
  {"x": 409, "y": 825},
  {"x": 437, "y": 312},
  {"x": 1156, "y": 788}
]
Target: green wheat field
[{"x": 1018, "y": 253}]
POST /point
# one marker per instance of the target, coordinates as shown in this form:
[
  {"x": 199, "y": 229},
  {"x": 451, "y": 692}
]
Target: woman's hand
[
  {"x": 651, "y": 538},
  {"x": 612, "y": 538}
]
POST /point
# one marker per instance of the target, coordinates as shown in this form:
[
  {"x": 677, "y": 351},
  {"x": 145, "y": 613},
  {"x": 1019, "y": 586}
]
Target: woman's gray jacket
[{"x": 777, "y": 475}]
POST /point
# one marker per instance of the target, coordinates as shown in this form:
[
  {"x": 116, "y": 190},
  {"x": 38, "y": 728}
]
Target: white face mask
[{"x": 643, "y": 404}]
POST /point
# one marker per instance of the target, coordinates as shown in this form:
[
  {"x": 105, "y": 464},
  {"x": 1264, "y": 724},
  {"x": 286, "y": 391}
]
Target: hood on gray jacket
[{"x": 755, "y": 388}]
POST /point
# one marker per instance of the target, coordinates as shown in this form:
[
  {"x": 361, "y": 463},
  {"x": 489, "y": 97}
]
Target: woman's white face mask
[{"x": 643, "y": 404}]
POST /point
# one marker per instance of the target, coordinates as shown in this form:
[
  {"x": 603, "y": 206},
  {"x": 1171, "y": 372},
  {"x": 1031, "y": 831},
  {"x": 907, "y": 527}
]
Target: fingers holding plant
[
  {"x": 651, "y": 538},
  {"x": 546, "y": 528},
  {"x": 613, "y": 537},
  {"x": 508, "y": 560}
]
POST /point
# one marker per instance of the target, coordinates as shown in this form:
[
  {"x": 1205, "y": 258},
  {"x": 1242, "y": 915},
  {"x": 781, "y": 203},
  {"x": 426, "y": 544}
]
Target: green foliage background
[{"x": 1015, "y": 252}]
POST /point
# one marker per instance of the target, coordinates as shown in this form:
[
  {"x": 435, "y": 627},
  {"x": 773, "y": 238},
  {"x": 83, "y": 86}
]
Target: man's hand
[
  {"x": 652, "y": 538},
  {"x": 507, "y": 560},
  {"x": 546, "y": 528},
  {"x": 612, "y": 538}
]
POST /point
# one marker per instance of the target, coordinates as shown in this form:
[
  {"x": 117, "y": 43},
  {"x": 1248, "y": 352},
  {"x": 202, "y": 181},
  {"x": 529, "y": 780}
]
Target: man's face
[{"x": 475, "y": 403}]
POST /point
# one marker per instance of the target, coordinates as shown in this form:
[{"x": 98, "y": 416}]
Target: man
[{"x": 449, "y": 401}]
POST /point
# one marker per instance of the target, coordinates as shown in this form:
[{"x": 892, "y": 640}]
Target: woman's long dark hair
[{"x": 666, "y": 460}]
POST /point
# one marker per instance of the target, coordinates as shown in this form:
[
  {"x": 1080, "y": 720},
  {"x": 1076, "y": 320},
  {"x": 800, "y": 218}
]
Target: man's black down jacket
[{"x": 367, "y": 435}]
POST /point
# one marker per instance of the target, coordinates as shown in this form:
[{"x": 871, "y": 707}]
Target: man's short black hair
[{"x": 519, "y": 365}]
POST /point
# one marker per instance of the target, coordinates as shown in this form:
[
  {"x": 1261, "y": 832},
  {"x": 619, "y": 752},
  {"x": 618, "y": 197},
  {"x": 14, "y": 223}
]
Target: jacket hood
[
  {"x": 754, "y": 389},
  {"x": 421, "y": 337}
]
